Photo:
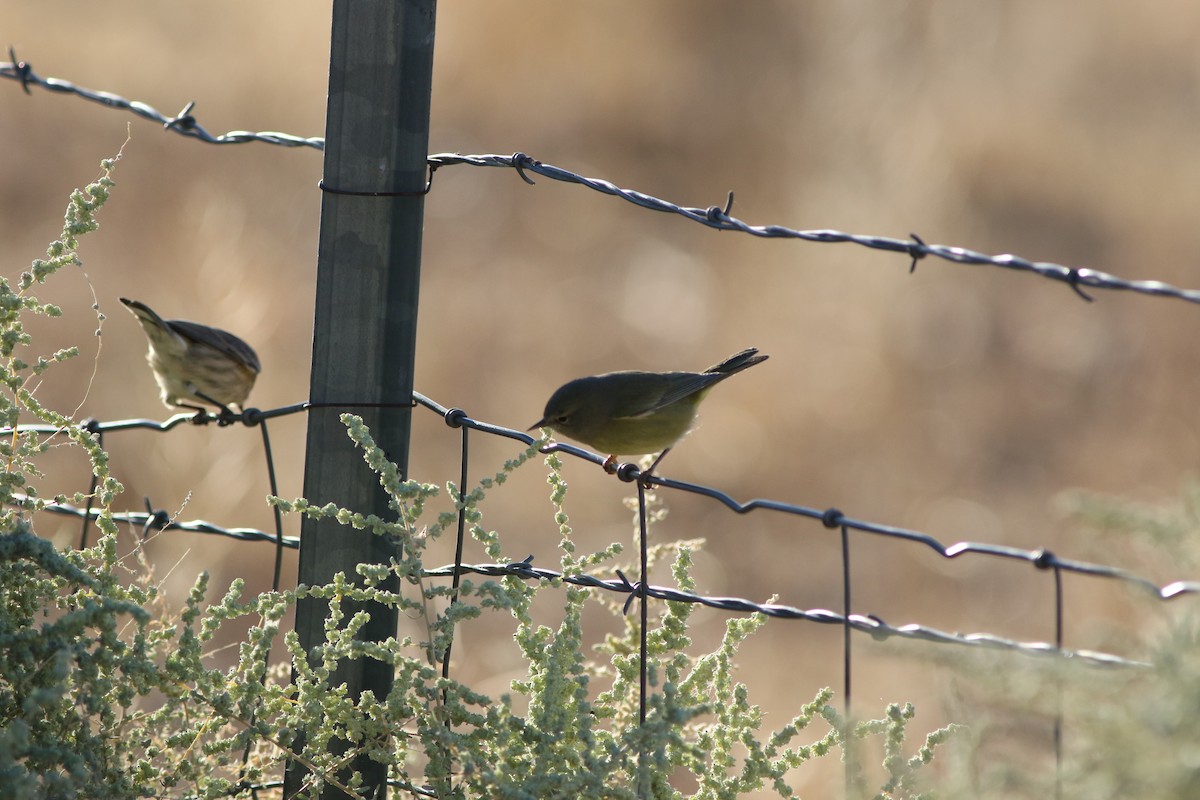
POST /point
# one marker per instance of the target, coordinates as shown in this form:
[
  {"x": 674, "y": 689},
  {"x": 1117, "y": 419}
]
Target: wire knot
[
  {"x": 252, "y": 417},
  {"x": 628, "y": 472},
  {"x": 718, "y": 214},
  {"x": 455, "y": 418},
  {"x": 1045, "y": 559},
  {"x": 832, "y": 518}
]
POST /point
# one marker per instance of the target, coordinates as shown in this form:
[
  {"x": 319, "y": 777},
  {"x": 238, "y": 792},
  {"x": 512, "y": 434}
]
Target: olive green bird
[
  {"x": 635, "y": 413},
  {"x": 193, "y": 362}
]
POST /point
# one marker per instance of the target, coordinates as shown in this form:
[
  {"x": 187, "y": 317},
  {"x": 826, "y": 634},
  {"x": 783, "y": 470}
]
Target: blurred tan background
[{"x": 956, "y": 400}]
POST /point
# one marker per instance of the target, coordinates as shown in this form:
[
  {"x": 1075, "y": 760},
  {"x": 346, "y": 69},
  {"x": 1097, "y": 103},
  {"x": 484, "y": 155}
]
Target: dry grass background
[{"x": 956, "y": 400}]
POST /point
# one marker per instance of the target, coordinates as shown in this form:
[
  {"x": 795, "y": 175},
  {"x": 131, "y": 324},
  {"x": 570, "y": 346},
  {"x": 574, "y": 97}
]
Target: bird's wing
[
  {"x": 673, "y": 387},
  {"x": 218, "y": 339},
  {"x": 684, "y": 384}
]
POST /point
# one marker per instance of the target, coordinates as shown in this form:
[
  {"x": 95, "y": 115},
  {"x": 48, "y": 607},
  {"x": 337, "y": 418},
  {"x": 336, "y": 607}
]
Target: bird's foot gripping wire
[
  {"x": 200, "y": 418},
  {"x": 224, "y": 417}
]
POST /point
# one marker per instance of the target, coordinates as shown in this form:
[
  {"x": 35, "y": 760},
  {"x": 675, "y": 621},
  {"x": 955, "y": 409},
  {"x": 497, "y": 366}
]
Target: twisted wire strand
[
  {"x": 869, "y": 624},
  {"x": 914, "y": 247},
  {"x": 718, "y": 217},
  {"x": 183, "y": 123},
  {"x": 158, "y": 521}
]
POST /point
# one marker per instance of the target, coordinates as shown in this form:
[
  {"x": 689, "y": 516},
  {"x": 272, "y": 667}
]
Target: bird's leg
[
  {"x": 225, "y": 416},
  {"x": 610, "y": 464},
  {"x": 646, "y": 473},
  {"x": 201, "y": 417}
]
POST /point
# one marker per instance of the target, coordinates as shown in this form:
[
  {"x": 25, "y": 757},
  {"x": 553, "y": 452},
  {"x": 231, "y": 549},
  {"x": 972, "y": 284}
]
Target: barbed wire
[
  {"x": 914, "y": 247},
  {"x": 718, "y": 217},
  {"x": 157, "y": 520},
  {"x": 183, "y": 123},
  {"x": 869, "y": 624}
]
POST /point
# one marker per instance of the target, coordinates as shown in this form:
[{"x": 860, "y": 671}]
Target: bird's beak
[{"x": 541, "y": 423}]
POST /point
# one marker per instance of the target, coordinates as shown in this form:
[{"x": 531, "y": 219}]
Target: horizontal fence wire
[
  {"x": 183, "y": 123},
  {"x": 913, "y": 248},
  {"x": 831, "y": 518},
  {"x": 869, "y": 624},
  {"x": 159, "y": 520}
]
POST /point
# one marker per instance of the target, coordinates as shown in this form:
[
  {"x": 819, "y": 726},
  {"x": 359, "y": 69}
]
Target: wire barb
[
  {"x": 24, "y": 72},
  {"x": 1074, "y": 276},
  {"x": 184, "y": 120},
  {"x": 917, "y": 251},
  {"x": 519, "y": 162}
]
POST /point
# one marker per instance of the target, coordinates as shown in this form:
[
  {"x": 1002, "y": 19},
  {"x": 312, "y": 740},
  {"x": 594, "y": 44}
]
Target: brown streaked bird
[
  {"x": 636, "y": 413},
  {"x": 194, "y": 362}
]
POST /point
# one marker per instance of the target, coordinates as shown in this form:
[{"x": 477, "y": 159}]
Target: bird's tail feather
[{"x": 738, "y": 362}]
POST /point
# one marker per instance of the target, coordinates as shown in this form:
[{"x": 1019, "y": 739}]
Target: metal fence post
[{"x": 377, "y": 137}]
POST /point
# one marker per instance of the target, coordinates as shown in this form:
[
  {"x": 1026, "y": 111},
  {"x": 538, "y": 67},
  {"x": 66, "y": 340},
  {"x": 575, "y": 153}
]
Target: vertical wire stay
[
  {"x": 255, "y": 418},
  {"x": 643, "y": 595},
  {"x": 846, "y": 617},
  {"x": 91, "y": 495},
  {"x": 643, "y": 667},
  {"x": 1058, "y": 712},
  {"x": 458, "y": 550},
  {"x": 847, "y": 762},
  {"x": 262, "y": 423}
]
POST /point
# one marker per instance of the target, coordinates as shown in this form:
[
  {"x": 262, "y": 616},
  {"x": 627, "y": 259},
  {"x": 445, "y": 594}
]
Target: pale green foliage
[
  {"x": 106, "y": 693},
  {"x": 1162, "y": 536},
  {"x": 1127, "y": 732},
  {"x": 1134, "y": 732},
  {"x": 579, "y": 735},
  {"x": 80, "y": 650},
  {"x": 61, "y": 658}
]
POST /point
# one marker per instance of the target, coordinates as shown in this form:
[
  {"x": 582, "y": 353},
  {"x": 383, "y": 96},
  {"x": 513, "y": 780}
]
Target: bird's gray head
[{"x": 570, "y": 409}]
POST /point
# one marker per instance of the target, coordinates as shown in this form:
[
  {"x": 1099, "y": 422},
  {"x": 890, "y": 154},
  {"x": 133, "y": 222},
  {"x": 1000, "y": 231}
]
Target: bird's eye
[{"x": 563, "y": 419}]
